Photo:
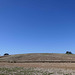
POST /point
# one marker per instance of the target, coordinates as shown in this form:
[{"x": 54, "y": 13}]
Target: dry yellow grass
[
  {"x": 54, "y": 68},
  {"x": 39, "y": 57},
  {"x": 37, "y": 68},
  {"x": 40, "y": 65}
]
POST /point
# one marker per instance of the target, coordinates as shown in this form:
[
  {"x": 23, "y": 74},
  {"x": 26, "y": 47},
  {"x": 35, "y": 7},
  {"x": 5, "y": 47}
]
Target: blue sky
[{"x": 37, "y": 26}]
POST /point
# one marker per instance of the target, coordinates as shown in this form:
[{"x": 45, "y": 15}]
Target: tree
[
  {"x": 6, "y": 54},
  {"x": 67, "y": 52}
]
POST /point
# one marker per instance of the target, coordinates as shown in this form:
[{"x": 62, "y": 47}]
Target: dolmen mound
[{"x": 39, "y": 58}]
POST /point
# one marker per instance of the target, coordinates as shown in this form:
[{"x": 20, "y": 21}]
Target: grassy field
[
  {"x": 38, "y": 57},
  {"x": 37, "y": 69},
  {"x": 34, "y": 71},
  {"x": 12, "y": 67}
]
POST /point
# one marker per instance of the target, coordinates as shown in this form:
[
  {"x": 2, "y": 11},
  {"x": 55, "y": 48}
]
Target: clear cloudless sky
[{"x": 37, "y": 26}]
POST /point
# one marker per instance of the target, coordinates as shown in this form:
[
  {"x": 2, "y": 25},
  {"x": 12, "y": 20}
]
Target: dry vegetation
[
  {"x": 34, "y": 71},
  {"x": 39, "y": 57},
  {"x": 37, "y": 68}
]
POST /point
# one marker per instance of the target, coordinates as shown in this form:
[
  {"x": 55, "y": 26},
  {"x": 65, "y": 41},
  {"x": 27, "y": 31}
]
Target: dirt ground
[{"x": 40, "y": 65}]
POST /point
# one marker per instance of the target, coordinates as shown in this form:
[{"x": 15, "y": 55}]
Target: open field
[
  {"x": 38, "y": 64},
  {"x": 37, "y": 69},
  {"x": 39, "y": 57}
]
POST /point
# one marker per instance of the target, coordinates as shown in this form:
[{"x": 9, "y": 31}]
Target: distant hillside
[{"x": 39, "y": 57}]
